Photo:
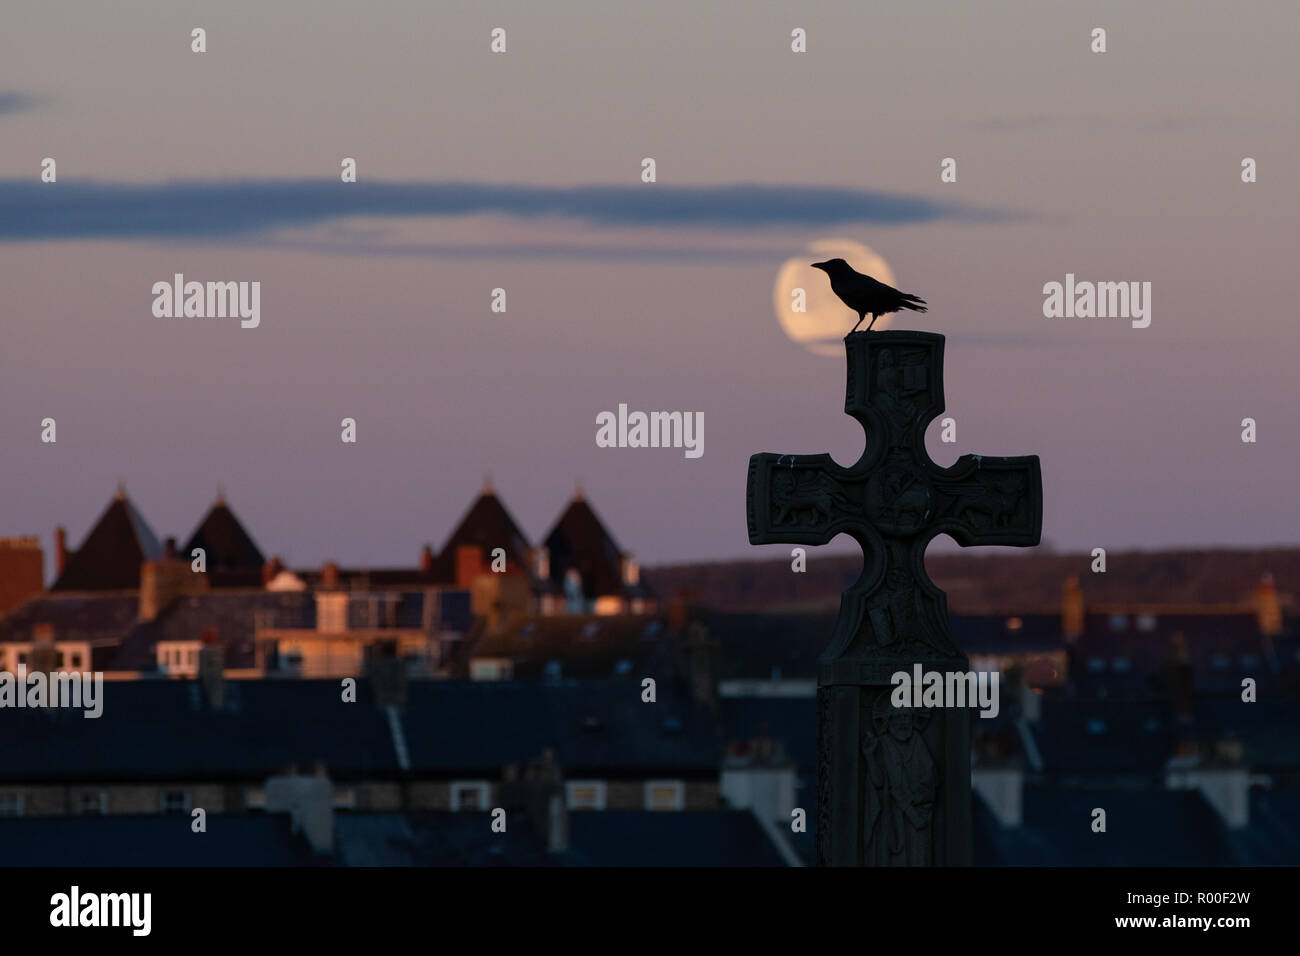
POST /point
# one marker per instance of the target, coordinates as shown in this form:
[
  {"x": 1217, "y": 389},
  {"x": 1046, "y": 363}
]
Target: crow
[{"x": 864, "y": 295}]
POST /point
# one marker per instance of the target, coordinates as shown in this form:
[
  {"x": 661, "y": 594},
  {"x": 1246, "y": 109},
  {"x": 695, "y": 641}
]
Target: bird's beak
[{"x": 819, "y": 265}]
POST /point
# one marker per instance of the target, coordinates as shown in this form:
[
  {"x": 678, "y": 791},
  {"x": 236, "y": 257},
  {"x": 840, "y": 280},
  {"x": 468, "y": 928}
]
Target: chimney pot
[{"x": 60, "y": 549}]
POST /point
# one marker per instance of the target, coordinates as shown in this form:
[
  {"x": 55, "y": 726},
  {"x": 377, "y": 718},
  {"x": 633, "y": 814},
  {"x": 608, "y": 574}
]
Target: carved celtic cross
[{"x": 893, "y": 501}]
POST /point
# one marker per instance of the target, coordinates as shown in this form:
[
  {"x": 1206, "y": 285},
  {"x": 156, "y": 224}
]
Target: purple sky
[{"x": 1118, "y": 166}]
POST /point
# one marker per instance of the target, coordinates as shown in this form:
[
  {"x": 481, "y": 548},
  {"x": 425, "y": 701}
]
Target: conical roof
[
  {"x": 487, "y": 525},
  {"x": 580, "y": 541},
  {"x": 109, "y": 558},
  {"x": 225, "y": 543}
]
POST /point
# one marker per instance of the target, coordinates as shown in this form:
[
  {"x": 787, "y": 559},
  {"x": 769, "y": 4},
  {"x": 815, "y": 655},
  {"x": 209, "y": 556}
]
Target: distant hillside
[{"x": 1027, "y": 581}]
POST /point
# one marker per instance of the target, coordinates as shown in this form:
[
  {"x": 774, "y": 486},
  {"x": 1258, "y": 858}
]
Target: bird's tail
[{"x": 915, "y": 303}]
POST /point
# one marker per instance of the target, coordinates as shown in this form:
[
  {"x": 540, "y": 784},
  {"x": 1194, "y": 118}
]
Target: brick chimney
[
  {"x": 426, "y": 560},
  {"x": 1072, "y": 611},
  {"x": 166, "y": 579},
  {"x": 469, "y": 564},
  {"x": 329, "y": 576},
  {"x": 60, "y": 549},
  {"x": 212, "y": 664},
  {"x": 1268, "y": 607},
  {"x": 270, "y": 569},
  {"x": 22, "y": 571}
]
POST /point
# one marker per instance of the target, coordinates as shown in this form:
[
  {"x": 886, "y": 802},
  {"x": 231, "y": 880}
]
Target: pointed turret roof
[
  {"x": 227, "y": 546},
  {"x": 486, "y": 525},
  {"x": 580, "y": 541},
  {"x": 109, "y": 558}
]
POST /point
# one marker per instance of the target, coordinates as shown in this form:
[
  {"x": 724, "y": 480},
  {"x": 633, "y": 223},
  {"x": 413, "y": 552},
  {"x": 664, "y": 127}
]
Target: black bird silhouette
[{"x": 864, "y": 295}]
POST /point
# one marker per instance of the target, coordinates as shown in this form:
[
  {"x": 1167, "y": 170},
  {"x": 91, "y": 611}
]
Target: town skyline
[{"x": 376, "y": 296}]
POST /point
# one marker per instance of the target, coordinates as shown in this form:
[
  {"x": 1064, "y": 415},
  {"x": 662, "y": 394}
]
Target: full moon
[{"x": 822, "y": 327}]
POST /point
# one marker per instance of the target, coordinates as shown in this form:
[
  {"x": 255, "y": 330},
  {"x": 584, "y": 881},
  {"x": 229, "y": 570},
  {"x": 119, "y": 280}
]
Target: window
[
  {"x": 1249, "y": 660},
  {"x": 1096, "y": 665},
  {"x": 470, "y": 795},
  {"x": 665, "y": 795},
  {"x": 174, "y": 801},
  {"x": 491, "y": 668},
  {"x": 1146, "y": 622},
  {"x": 1118, "y": 622},
  {"x": 1120, "y": 665},
  {"x": 585, "y": 794},
  {"x": 1096, "y": 726},
  {"x": 76, "y": 661},
  {"x": 11, "y": 804},
  {"x": 92, "y": 803}
]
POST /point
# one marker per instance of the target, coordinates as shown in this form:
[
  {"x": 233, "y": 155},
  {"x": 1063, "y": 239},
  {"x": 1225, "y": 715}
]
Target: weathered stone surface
[{"x": 893, "y": 783}]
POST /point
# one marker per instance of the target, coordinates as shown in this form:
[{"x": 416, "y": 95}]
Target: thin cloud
[
  {"x": 11, "y": 101},
  {"x": 222, "y": 210}
]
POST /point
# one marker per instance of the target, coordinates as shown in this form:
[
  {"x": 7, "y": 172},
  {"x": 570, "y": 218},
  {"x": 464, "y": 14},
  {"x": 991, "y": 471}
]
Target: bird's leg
[
  {"x": 861, "y": 316},
  {"x": 871, "y": 323}
]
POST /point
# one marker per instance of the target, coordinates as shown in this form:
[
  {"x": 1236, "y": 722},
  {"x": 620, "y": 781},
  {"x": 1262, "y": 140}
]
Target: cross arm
[
  {"x": 799, "y": 499},
  {"x": 983, "y": 500}
]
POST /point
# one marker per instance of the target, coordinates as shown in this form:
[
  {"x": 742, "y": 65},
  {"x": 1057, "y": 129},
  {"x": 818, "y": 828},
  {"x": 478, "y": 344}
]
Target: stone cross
[{"x": 893, "y": 783}]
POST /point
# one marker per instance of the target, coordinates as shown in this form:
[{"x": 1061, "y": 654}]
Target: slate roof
[
  {"x": 683, "y": 838},
  {"x": 487, "y": 525},
  {"x": 435, "y": 839},
  {"x": 1128, "y": 654},
  {"x": 597, "y": 728},
  {"x": 83, "y": 616},
  {"x": 1143, "y": 828},
  {"x": 579, "y": 541},
  {"x": 109, "y": 558},
  {"x": 999, "y": 633},
  {"x": 227, "y": 546},
  {"x": 163, "y": 730},
  {"x": 604, "y": 838},
  {"x": 246, "y": 839},
  {"x": 234, "y": 614},
  {"x": 1268, "y": 729},
  {"x": 367, "y": 579},
  {"x": 765, "y": 646},
  {"x": 582, "y": 645},
  {"x": 1272, "y": 838},
  {"x": 1080, "y": 738},
  {"x": 790, "y": 720}
]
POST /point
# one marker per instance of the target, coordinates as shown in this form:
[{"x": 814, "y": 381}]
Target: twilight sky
[{"x": 1123, "y": 166}]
